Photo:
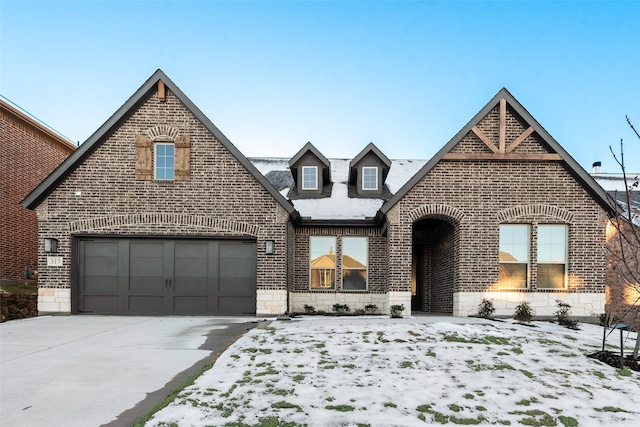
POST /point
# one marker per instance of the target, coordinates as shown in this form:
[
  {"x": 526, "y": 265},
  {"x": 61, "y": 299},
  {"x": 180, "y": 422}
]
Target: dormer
[
  {"x": 368, "y": 172},
  {"x": 311, "y": 173}
]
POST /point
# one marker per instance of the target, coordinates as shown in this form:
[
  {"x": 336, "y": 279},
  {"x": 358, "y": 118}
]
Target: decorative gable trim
[
  {"x": 557, "y": 154},
  {"x": 162, "y": 133}
]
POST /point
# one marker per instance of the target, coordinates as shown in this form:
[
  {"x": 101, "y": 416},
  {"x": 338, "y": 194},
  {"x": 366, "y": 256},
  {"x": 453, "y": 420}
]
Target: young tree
[{"x": 623, "y": 248}]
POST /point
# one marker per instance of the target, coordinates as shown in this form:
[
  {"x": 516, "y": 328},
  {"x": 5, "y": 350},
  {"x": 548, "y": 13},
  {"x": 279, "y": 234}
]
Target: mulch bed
[{"x": 613, "y": 359}]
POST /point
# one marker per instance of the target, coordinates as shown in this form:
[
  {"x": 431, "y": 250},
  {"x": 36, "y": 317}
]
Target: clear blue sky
[{"x": 274, "y": 75}]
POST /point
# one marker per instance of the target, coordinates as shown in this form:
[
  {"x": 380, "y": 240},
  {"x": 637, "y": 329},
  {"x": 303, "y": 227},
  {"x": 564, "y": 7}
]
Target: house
[
  {"x": 159, "y": 213},
  {"x": 30, "y": 151}
]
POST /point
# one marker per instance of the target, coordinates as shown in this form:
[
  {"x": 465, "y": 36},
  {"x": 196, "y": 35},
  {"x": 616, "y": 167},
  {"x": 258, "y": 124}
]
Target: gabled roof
[
  {"x": 587, "y": 182},
  {"x": 119, "y": 117},
  {"x": 308, "y": 147},
  {"x": 371, "y": 148}
]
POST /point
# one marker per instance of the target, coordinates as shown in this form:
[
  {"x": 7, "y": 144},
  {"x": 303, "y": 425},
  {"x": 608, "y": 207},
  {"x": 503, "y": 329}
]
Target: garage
[{"x": 144, "y": 276}]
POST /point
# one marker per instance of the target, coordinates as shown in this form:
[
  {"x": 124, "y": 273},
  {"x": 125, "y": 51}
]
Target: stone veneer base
[
  {"x": 543, "y": 303},
  {"x": 271, "y": 302},
  {"x": 54, "y": 300}
]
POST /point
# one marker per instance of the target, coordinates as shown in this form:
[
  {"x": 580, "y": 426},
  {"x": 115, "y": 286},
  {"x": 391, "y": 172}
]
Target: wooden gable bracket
[
  {"x": 161, "y": 91},
  {"x": 502, "y": 151}
]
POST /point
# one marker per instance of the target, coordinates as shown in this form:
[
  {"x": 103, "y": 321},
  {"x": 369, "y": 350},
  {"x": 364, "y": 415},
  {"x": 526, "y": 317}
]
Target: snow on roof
[
  {"x": 339, "y": 206},
  {"x": 613, "y": 184}
]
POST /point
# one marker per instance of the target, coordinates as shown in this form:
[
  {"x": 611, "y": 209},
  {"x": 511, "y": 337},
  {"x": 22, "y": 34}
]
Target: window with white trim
[
  {"x": 354, "y": 263},
  {"x": 309, "y": 177},
  {"x": 322, "y": 262},
  {"x": 514, "y": 256},
  {"x": 552, "y": 256},
  {"x": 164, "y": 161},
  {"x": 369, "y": 178}
]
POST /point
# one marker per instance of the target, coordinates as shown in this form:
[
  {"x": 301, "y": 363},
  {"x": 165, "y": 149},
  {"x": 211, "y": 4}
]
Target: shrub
[
  {"x": 309, "y": 309},
  {"x": 523, "y": 313},
  {"x": 396, "y": 311},
  {"x": 340, "y": 308},
  {"x": 371, "y": 308},
  {"x": 486, "y": 308},
  {"x": 358, "y": 311},
  {"x": 564, "y": 310}
]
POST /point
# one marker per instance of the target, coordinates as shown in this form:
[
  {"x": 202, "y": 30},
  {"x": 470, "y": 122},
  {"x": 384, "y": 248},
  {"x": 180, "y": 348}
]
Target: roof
[
  {"x": 338, "y": 206},
  {"x": 119, "y": 117},
  {"x": 371, "y": 148},
  {"x": 587, "y": 182},
  {"x": 613, "y": 184},
  {"x": 63, "y": 142}
]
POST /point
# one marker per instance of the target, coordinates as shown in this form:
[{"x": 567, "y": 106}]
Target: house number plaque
[{"x": 54, "y": 261}]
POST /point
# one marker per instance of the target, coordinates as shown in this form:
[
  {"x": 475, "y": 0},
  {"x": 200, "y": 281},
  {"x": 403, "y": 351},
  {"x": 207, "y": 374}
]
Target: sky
[
  {"x": 273, "y": 75},
  {"x": 358, "y": 372}
]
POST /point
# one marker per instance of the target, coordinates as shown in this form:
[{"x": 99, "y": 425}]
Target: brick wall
[
  {"x": 221, "y": 198},
  {"x": 28, "y": 156},
  {"x": 477, "y": 196}
]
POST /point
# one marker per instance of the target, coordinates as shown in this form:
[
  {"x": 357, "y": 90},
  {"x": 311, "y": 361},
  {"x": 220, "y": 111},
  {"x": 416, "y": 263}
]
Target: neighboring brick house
[
  {"x": 30, "y": 151},
  {"x": 158, "y": 213}
]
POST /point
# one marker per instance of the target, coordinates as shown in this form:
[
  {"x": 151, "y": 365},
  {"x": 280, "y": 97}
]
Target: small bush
[
  {"x": 562, "y": 315},
  {"x": 371, "y": 308},
  {"x": 340, "y": 308},
  {"x": 396, "y": 311},
  {"x": 309, "y": 309},
  {"x": 486, "y": 308},
  {"x": 523, "y": 313},
  {"x": 358, "y": 311}
]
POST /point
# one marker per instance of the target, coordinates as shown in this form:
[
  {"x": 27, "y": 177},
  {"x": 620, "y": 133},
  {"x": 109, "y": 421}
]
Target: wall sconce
[
  {"x": 50, "y": 245},
  {"x": 268, "y": 247}
]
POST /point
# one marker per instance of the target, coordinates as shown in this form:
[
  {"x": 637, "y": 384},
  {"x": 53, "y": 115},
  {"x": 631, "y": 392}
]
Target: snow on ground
[{"x": 403, "y": 374}]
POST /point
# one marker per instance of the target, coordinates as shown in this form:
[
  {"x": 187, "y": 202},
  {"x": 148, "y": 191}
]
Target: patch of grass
[
  {"x": 469, "y": 396},
  {"x": 466, "y": 421},
  {"x": 455, "y": 408},
  {"x": 568, "y": 421},
  {"x": 340, "y": 408},
  {"x": 527, "y": 373},
  {"x": 525, "y": 402},
  {"x": 569, "y": 337},
  {"x": 406, "y": 364},
  {"x": 269, "y": 371},
  {"x": 599, "y": 374},
  {"x": 626, "y": 372},
  {"x": 610, "y": 409},
  {"x": 536, "y": 418},
  {"x": 20, "y": 288},
  {"x": 286, "y": 405},
  {"x": 516, "y": 350},
  {"x": 480, "y": 408},
  {"x": 546, "y": 341},
  {"x": 390, "y": 405},
  {"x": 424, "y": 408}
]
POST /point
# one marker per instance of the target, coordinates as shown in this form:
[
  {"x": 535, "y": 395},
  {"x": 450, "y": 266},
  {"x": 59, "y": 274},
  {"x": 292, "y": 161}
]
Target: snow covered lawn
[{"x": 403, "y": 374}]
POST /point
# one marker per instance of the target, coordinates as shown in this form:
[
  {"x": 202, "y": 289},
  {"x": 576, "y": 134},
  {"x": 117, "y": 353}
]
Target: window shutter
[
  {"x": 183, "y": 158},
  {"x": 144, "y": 153}
]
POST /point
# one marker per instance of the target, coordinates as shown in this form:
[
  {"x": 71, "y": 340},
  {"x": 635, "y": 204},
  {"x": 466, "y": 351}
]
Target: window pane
[
  {"x": 164, "y": 161},
  {"x": 322, "y": 262},
  {"x": 369, "y": 178},
  {"x": 354, "y": 263},
  {"x": 513, "y": 275},
  {"x": 309, "y": 178},
  {"x": 514, "y": 243},
  {"x": 552, "y": 243},
  {"x": 551, "y": 275}
]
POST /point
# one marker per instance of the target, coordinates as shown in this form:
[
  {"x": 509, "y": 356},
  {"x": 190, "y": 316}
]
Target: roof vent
[{"x": 596, "y": 167}]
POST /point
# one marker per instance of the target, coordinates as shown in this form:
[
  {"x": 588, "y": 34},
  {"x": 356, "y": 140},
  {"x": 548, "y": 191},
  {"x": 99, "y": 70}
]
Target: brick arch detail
[
  {"x": 443, "y": 212},
  {"x": 535, "y": 210},
  {"x": 162, "y": 132},
  {"x": 94, "y": 224}
]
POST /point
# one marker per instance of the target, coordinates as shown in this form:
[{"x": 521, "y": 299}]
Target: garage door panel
[
  {"x": 146, "y": 304},
  {"x": 103, "y": 304},
  {"x": 101, "y": 284},
  {"x": 100, "y": 249},
  {"x": 191, "y": 285},
  {"x": 146, "y": 285},
  {"x": 191, "y": 267},
  {"x": 101, "y": 266},
  {"x": 237, "y": 305},
  {"x": 235, "y": 286},
  {"x": 190, "y": 305}
]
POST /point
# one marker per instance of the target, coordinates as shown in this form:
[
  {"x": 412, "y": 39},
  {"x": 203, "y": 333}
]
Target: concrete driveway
[{"x": 101, "y": 370}]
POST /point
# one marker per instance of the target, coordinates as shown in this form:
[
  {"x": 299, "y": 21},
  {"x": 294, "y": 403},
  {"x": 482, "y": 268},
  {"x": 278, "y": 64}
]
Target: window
[
  {"x": 354, "y": 263},
  {"x": 369, "y": 178},
  {"x": 309, "y": 177},
  {"x": 552, "y": 256},
  {"x": 514, "y": 256},
  {"x": 322, "y": 262},
  {"x": 164, "y": 161}
]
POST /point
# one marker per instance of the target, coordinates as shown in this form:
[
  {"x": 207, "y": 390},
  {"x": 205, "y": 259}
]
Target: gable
[
  {"x": 504, "y": 131},
  {"x": 158, "y": 84}
]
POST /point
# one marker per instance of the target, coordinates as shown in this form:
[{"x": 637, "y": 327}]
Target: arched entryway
[{"x": 434, "y": 265}]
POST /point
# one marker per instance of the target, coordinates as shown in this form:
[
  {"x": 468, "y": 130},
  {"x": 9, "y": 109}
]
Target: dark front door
[{"x": 156, "y": 277}]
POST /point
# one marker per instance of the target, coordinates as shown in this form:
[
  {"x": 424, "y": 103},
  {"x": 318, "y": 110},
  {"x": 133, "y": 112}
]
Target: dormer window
[
  {"x": 309, "y": 177},
  {"x": 369, "y": 178}
]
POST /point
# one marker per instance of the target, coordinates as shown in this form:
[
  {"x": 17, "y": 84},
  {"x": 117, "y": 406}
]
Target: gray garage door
[{"x": 155, "y": 277}]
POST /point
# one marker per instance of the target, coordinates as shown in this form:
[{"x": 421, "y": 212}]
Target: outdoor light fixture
[
  {"x": 50, "y": 245},
  {"x": 268, "y": 247}
]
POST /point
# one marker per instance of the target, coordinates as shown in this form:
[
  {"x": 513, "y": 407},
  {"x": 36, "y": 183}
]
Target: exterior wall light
[
  {"x": 50, "y": 245},
  {"x": 269, "y": 247}
]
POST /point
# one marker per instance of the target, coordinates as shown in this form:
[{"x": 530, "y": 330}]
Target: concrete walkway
[{"x": 101, "y": 370}]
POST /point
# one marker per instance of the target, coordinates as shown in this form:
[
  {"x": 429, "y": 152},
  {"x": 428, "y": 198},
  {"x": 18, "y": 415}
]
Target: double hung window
[
  {"x": 354, "y": 263},
  {"x": 552, "y": 256},
  {"x": 514, "y": 256},
  {"x": 322, "y": 262}
]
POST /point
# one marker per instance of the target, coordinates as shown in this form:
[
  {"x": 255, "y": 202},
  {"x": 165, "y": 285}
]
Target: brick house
[
  {"x": 30, "y": 150},
  {"x": 158, "y": 213}
]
